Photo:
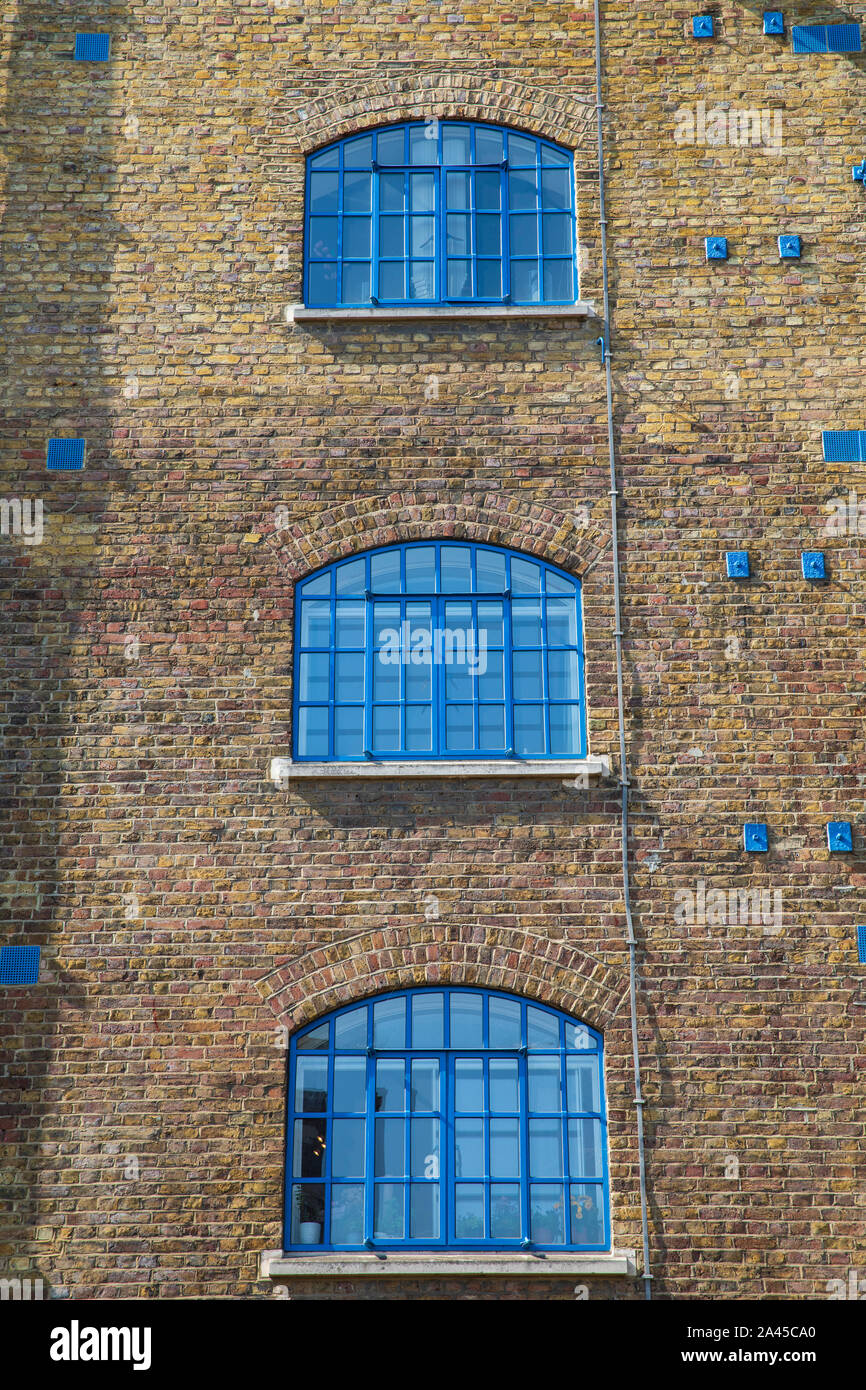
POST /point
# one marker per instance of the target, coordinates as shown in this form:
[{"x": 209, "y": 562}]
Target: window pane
[
  {"x": 489, "y": 279},
  {"x": 546, "y": 1214},
  {"x": 328, "y": 159},
  {"x": 358, "y": 154},
  {"x": 545, "y": 1086},
  {"x": 388, "y": 1211},
  {"x": 319, "y": 585},
  {"x": 315, "y": 1041},
  {"x": 315, "y": 681},
  {"x": 315, "y": 622},
  {"x": 392, "y": 192},
  {"x": 491, "y": 677},
  {"x": 356, "y": 282},
  {"x": 562, "y": 622},
  {"x": 309, "y": 1149},
  {"x": 386, "y": 729},
  {"x": 545, "y": 1148},
  {"x": 392, "y": 280},
  {"x": 347, "y": 1149},
  {"x": 521, "y": 150},
  {"x": 459, "y": 279},
  {"x": 505, "y": 1149},
  {"x": 311, "y": 1083},
  {"x": 419, "y": 729},
  {"x": 308, "y": 1213},
  {"x": 488, "y": 186},
  {"x": 356, "y": 236},
  {"x": 424, "y": 1093},
  {"x": 424, "y": 1211},
  {"x": 469, "y": 1211},
  {"x": 391, "y": 1083},
  {"x": 389, "y": 1023},
  {"x": 420, "y": 281},
  {"x": 469, "y": 1148},
  {"x": 505, "y": 1212},
  {"x": 488, "y": 230},
  {"x": 350, "y": 1083},
  {"x": 526, "y": 622},
  {"x": 428, "y": 1020},
  {"x": 504, "y": 1088},
  {"x": 562, "y": 675},
  {"x": 421, "y": 236},
  {"x": 524, "y": 234},
  {"x": 555, "y": 188},
  {"x": 578, "y": 1036},
  {"x": 466, "y": 1020},
  {"x": 389, "y": 1159},
  {"x": 491, "y": 728},
  {"x": 424, "y": 1149},
  {"x": 527, "y": 669},
  {"x": 348, "y": 732},
  {"x": 351, "y": 577},
  {"x": 528, "y": 729},
  {"x": 391, "y": 236},
  {"x": 456, "y": 569},
  {"x": 524, "y": 282},
  {"x": 522, "y": 190},
  {"x": 558, "y": 280},
  {"x": 391, "y": 146},
  {"x": 455, "y": 144},
  {"x": 490, "y": 620},
  {"x": 458, "y": 728},
  {"x": 542, "y": 1028},
  {"x": 356, "y": 192},
  {"x": 565, "y": 729},
  {"x": 386, "y": 668},
  {"x": 424, "y": 144},
  {"x": 323, "y": 284},
  {"x": 323, "y": 238},
  {"x": 385, "y": 576},
  {"x": 386, "y": 620},
  {"x": 584, "y": 1148},
  {"x": 458, "y": 685},
  {"x": 587, "y": 1216},
  {"x": 457, "y": 190},
  {"x": 313, "y": 732},
  {"x": 421, "y": 192},
  {"x": 582, "y": 1081},
  {"x": 556, "y": 234},
  {"x": 349, "y": 623},
  {"x": 347, "y": 1215},
  {"x": 488, "y": 146},
  {"x": 504, "y": 1025},
  {"x": 348, "y": 677},
  {"x": 549, "y": 155},
  {"x": 468, "y": 1084},
  {"x": 350, "y": 1029},
  {"x": 458, "y": 235},
  {"x": 323, "y": 192}
]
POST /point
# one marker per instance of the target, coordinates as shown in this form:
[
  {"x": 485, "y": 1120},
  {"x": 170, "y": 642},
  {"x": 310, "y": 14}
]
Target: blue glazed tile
[
  {"x": 839, "y": 837},
  {"x": 737, "y": 564},
  {"x": 755, "y": 838}
]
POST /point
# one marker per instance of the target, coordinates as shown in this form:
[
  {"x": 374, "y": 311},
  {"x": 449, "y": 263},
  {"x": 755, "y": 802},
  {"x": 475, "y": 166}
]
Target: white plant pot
[{"x": 311, "y": 1232}]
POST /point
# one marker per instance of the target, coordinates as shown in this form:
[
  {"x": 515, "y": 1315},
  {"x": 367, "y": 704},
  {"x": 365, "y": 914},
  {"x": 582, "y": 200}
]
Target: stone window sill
[
  {"x": 583, "y": 309},
  {"x": 436, "y": 1264},
  {"x": 581, "y": 770}
]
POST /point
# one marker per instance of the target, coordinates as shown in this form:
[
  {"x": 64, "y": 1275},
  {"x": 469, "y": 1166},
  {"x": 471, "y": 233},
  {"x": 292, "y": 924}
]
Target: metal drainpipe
[{"x": 632, "y": 942}]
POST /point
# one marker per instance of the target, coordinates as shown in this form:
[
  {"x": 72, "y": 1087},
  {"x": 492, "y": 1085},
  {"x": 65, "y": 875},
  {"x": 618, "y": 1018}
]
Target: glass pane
[
  {"x": 386, "y": 729},
  {"x": 545, "y": 1086},
  {"x": 308, "y": 1156},
  {"x": 555, "y": 188},
  {"x": 391, "y": 146},
  {"x": 458, "y": 684},
  {"x": 525, "y": 577},
  {"x": 556, "y": 234},
  {"x": 313, "y": 732},
  {"x": 347, "y": 1149},
  {"x": 524, "y": 234},
  {"x": 563, "y": 675},
  {"x": 419, "y": 729},
  {"x": 323, "y": 192},
  {"x": 526, "y": 622},
  {"x": 584, "y": 1148},
  {"x": 421, "y": 236},
  {"x": 358, "y": 154},
  {"x": 458, "y": 235},
  {"x": 316, "y": 1041},
  {"x": 388, "y": 1211},
  {"x": 565, "y": 729},
  {"x": 545, "y": 1149},
  {"x": 420, "y": 279},
  {"x": 349, "y": 677},
  {"x": 529, "y": 729},
  {"x": 468, "y": 1084},
  {"x": 389, "y": 1023},
  {"x": 469, "y": 1211},
  {"x": 424, "y": 1148},
  {"x": 546, "y": 1214},
  {"x": 522, "y": 190},
  {"x": 491, "y": 673},
  {"x": 424, "y": 1211},
  {"x": 351, "y": 578},
  {"x": 428, "y": 1020},
  {"x": 558, "y": 283},
  {"x": 350, "y": 1029},
  {"x": 488, "y": 186},
  {"x": 527, "y": 671},
  {"x": 392, "y": 192},
  {"x": 490, "y": 575},
  {"x": 421, "y": 192},
  {"x": 349, "y": 623},
  {"x": 308, "y": 1213},
  {"x": 348, "y": 731},
  {"x": 504, "y": 1024},
  {"x": 488, "y": 233},
  {"x": 489, "y": 275},
  {"x": 328, "y": 159},
  {"x": 458, "y": 728},
  {"x": 356, "y": 192},
  {"x": 581, "y": 1075},
  {"x": 323, "y": 284},
  {"x": 311, "y": 1083},
  {"x": 490, "y": 622},
  {"x": 456, "y": 569},
  {"x": 323, "y": 238},
  {"x": 524, "y": 282},
  {"x": 350, "y": 1083},
  {"x": 389, "y": 1158},
  {"x": 385, "y": 577},
  {"x": 320, "y": 585},
  {"x": 424, "y": 144},
  {"x": 469, "y": 1149},
  {"x": 390, "y": 1083},
  {"x": 587, "y": 1215},
  {"x": 542, "y": 1028},
  {"x": 424, "y": 1094},
  {"x": 455, "y": 144},
  {"x": 562, "y": 622},
  {"x": 315, "y": 623},
  {"x": 505, "y": 1212},
  {"x": 347, "y": 1215},
  {"x": 392, "y": 280},
  {"x": 466, "y": 1020},
  {"x": 505, "y": 1149},
  {"x": 549, "y": 155},
  {"x": 578, "y": 1036},
  {"x": 491, "y": 728},
  {"x": 504, "y": 1086},
  {"x": 459, "y": 279},
  {"x": 421, "y": 570},
  {"x": 356, "y": 282},
  {"x": 521, "y": 149},
  {"x": 387, "y": 668},
  {"x": 457, "y": 190},
  {"x": 391, "y": 236},
  {"x": 357, "y": 232},
  {"x": 488, "y": 146}
]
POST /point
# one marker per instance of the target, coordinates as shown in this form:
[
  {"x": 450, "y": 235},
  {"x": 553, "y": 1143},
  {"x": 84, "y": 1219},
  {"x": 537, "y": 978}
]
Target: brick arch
[
  {"x": 345, "y": 108},
  {"x": 342, "y": 531},
  {"x": 393, "y": 958}
]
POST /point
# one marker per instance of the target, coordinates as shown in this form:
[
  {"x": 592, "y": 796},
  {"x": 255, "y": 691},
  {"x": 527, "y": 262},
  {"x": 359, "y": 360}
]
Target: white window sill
[
  {"x": 439, "y": 1264},
  {"x": 580, "y": 770},
  {"x": 583, "y": 309}
]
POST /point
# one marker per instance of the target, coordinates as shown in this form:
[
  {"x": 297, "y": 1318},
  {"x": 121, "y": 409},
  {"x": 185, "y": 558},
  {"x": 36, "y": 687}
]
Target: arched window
[
  {"x": 439, "y": 650},
  {"x": 452, "y": 1117},
  {"x": 440, "y": 212}
]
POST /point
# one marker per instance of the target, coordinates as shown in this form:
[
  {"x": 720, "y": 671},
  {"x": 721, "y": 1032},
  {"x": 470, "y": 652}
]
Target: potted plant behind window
[{"x": 310, "y": 1214}]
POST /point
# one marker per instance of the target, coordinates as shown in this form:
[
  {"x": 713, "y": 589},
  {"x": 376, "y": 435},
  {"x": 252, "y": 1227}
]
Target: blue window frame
[
  {"x": 438, "y": 649},
  {"x": 440, "y": 212},
  {"x": 446, "y": 1117}
]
